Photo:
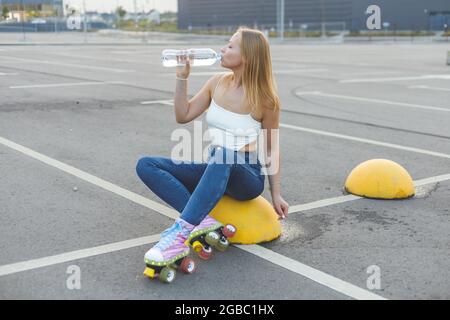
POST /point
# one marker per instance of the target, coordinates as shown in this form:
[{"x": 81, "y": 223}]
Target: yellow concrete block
[
  {"x": 255, "y": 220},
  {"x": 380, "y": 179}
]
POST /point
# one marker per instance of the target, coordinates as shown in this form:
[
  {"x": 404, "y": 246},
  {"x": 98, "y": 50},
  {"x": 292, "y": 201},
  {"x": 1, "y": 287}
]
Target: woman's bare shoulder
[{"x": 214, "y": 80}]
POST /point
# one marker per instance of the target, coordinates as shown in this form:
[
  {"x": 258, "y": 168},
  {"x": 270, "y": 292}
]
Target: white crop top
[{"x": 230, "y": 129}]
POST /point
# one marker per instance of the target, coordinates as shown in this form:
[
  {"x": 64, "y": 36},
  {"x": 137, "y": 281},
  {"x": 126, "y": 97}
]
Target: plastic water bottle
[{"x": 201, "y": 57}]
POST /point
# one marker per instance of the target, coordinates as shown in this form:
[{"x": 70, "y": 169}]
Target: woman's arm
[
  {"x": 180, "y": 101},
  {"x": 270, "y": 125},
  {"x": 187, "y": 110}
]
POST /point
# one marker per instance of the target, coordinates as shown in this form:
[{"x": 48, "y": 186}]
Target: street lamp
[
  {"x": 84, "y": 21},
  {"x": 322, "y": 28},
  {"x": 135, "y": 14},
  {"x": 22, "y": 18},
  {"x": 280, "y": 19},
  {"x": 56, "y": 15}
]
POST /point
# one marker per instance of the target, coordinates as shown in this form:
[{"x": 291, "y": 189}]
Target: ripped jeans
[{"x": 193, "y": 189}]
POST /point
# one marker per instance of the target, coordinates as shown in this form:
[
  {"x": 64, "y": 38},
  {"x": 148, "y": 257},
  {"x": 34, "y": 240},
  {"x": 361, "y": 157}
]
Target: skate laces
[{"x": 170, "y": 235}]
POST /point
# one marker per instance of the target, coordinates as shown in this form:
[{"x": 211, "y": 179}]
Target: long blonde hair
[{"x": 257, "y": 79}]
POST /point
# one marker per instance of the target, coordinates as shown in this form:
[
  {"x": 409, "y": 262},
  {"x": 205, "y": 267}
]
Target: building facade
[
  {"x": 25, "y": 9},
  {"x": 309, "y": 14}
]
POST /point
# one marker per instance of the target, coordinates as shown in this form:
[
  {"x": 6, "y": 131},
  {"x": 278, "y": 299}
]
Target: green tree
[
  {"x": 121, "y": 12},
  {"x": 5, "y": 12}
]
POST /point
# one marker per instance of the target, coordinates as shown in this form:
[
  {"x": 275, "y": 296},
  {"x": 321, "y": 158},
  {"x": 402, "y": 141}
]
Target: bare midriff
[{"x": 249, "y": 147}]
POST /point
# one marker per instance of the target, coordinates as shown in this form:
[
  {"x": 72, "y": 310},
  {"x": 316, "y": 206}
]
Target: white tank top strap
[{"x": 220, "y": 79}]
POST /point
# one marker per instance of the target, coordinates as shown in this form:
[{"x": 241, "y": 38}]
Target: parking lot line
[
  {"x": 162, "y": 209},
  {"x": 8, "y": 74},
  {"x": 73, "y": 65},
  {"x": 429, "y": 180},
  {"x": 362, "y": 73},
  {"x": 166, "y": 102},
  {"x": 285, "y": 262},
  {"x": 339, "y": 136},
  {"x": 153, "y": 205},
  {"x": 318, "y": 276},
  {"x": 386, "y": 79},
  {"x": 322, "y": 203},
  {"x": 341, "y": 199},
  {"x": 374, "y": 142},
  {"x": 378, "y": 101},
  {"x": 77, "y": 56},
  {"x": 211, "y": 73},
  {"x": 72, "y": 84},
  {"x": 428, "y": 88},
  {"x": 75, "y": 255}
]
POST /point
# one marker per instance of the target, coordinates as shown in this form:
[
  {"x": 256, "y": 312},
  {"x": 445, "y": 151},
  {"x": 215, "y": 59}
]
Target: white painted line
[
  {"x": 75, "y": 255},
  {"x": 318, "y": 276},
  {"x": 365, "y": 73},
  {"x": 368, "y": 141},
  {"x": 402, "y": 104},
  {"x": 37, "y": 263},
  {"x": 322, "y": 203},
  {"x": 428, "y": 88},
  {"x": 130, "y": 52},
  {"x": 285, "y": 262},
  {"x": 78, "y": 56},
  {"x": 8, "y": 74},
  {"x": 166, "y": 102},
  {"x": 306, "y": 93},
  {"x": 162, "y": 209},
  {"x": 347, "y": 198},
  {"x": 434, "y": 179},
  {"x": 422, "y": 77},
  {"x": 205, "y": 73},
  {"x": 339, "y": 136},
  {"x": 122, "y": 52},
  {"x": 266, "y": 254},
  {"x": 211, "y": 73},
  {"x": 72, "y": 84},
  {"x": 300, "y": 71},
  {"x": 72, "y": 65}
]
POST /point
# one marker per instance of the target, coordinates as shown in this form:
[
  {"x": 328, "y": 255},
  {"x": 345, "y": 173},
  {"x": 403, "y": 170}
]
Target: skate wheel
[
  {"x": 223, "y": 244},
  {"x": 212, "y": 238},
  {"x": 167, "y": 275},
  {"x": 197, "y": 246},
  {"x": 149, "y": 272},
  {"x": 188, "y": 266},
  {"x": 205, "y": 253},
  {"x": 229, "y": 231}
]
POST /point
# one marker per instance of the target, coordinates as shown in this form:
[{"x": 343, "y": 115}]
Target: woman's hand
[
  {"x": 184, "y": 71},
  {"x": 281, "y": 206}
]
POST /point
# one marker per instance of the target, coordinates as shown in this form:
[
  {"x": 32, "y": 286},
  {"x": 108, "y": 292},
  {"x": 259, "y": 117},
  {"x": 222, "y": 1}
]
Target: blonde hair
[{"x": 257, "y": 79}]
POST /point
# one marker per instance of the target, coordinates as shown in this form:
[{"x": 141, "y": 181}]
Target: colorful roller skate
[
  {"x": 210, "y": 233},
  {"x": 170, "y": 253}
]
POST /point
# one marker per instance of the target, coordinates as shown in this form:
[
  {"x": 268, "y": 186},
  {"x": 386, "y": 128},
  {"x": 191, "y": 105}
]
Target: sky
[{"x": 128, "y": 5}]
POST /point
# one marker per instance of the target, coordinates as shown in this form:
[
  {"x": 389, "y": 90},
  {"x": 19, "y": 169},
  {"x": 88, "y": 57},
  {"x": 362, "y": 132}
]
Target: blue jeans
[{"x": 193, "y": 189}]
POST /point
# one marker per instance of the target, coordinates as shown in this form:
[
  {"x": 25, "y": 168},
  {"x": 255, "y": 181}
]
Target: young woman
[{"x": 239, "y": 105}]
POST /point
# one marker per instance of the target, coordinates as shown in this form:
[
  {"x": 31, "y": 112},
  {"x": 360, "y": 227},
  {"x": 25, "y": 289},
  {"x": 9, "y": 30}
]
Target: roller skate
[
  {"x": 208, "y": 234},
  {"x": 170, "y": 253}
]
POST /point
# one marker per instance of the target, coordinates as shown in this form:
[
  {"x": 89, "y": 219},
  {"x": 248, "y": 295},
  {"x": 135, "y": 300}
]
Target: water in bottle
[{"x": 201, "y": 57}]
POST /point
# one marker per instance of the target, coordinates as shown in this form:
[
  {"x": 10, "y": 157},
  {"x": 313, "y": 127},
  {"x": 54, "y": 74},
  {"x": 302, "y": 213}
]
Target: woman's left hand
[{"x": 280, "y": 205}]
